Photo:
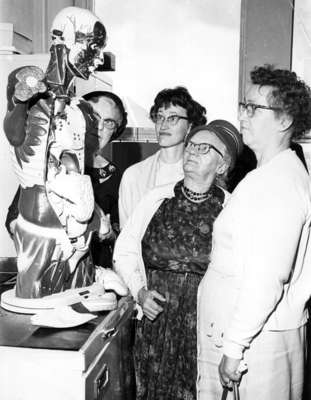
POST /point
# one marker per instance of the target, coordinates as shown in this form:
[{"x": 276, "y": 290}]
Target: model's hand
[
  {"x": 146, "y": 299},
  {"x": 12, "y": 226},
  {"x": 228, "y": 371},
  {"x": 29, "y": 83}
]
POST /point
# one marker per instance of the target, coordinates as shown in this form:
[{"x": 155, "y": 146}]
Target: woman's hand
[
  {"x": 106, "y": 232},
  {"x": 228, "y": 371},
  {"x": 146, "y": 299}
]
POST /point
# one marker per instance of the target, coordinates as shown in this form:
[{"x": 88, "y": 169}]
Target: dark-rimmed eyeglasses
[
  {"x": 171, "y": 120},
  {"x": 110, "y": 124},
  {"x": 107, "y": 123},
  {"x": 251, "y": 108},
  {"x": 201, "y": 148}
]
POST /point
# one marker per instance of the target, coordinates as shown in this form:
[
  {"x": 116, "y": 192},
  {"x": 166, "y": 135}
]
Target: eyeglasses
[
  {"x": 110, "y": 124},
  {"x": 201, "y": 148},
  {"x": 107, "y": 123},
  {"x": 171, "y": 120},
  {"x": 251, "y": 108}
]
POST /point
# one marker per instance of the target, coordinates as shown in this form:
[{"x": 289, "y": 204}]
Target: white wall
[
  {"x": 302, "y": 40},
  {"x": 164, "y": 43},
  {"x": 301, "y": 62}
]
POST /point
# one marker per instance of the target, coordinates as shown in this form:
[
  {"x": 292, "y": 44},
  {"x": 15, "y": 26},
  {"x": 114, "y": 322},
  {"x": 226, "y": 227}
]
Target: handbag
[{"x": 236, "y": 394}]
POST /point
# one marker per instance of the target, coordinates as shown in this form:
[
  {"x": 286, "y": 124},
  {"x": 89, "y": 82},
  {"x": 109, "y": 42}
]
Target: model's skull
[{"x": 84, "y": 37}]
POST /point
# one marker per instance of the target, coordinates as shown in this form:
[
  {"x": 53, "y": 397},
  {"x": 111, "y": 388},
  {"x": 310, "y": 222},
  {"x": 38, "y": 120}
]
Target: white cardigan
[
  {"x": 265, "y": 283},
  {"x": 139, "y": 178},
  {"x": 127, "y": 256}
]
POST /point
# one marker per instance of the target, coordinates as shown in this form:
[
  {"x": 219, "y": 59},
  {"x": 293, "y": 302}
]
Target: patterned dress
[{"x": 175, "y": 248}]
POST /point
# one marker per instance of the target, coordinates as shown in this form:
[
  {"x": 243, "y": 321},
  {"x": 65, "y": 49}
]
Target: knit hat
[{"x": 227, "y": 133}]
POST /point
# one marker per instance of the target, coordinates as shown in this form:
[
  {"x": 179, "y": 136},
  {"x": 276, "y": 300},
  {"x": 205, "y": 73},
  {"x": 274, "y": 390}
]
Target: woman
[
  {"x": 112, "y": 119},
  {"x": 162, "y": 254},
  {"x": 251, "y": 302},
  {"x": 174, "y": 113}
]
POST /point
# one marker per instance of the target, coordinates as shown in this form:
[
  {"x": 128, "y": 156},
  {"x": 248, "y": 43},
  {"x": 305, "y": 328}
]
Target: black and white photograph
[{"x": 155, "y": 208}]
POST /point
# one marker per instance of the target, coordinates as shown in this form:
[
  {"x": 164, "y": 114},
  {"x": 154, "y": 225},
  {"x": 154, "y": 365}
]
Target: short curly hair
[
  {"x": 179, "y": 96},
  {"x": 289, "y": 93},
  {"x": 95, "y": 96}
]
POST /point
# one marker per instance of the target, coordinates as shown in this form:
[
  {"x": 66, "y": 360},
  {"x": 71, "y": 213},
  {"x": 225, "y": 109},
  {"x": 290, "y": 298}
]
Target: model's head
[{"x": 83, "y": 35}]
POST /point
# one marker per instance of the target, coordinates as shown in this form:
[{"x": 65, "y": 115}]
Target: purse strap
[{"x": 236, "y": 394}]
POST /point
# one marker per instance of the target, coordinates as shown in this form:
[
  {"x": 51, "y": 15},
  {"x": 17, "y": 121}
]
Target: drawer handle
[{"x": 107, "y": 333}]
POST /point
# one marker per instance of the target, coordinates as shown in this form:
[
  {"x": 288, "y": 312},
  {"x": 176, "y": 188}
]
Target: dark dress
[
  {"x": 106, "y": 196},
  {"x": 175, "y": 248}
]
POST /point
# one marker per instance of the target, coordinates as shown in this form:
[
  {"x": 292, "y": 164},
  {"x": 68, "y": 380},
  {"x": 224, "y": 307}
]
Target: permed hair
[
  {"x": 95, "y": 96},
  {"x": 179, "y": 96},
  {"x": 289, "y": 93}
]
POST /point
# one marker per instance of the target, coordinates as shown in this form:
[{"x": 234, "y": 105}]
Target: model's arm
[
  {"x": 12, "y": 214},
  {"x": 24, "y": 84}
]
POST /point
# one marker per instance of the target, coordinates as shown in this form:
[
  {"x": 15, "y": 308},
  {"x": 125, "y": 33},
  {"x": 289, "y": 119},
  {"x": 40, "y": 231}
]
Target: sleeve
[
  {"x": 266, "y": 241},
  {"x": 127, "y": 257},
  {"x": 124, "y": 202}
]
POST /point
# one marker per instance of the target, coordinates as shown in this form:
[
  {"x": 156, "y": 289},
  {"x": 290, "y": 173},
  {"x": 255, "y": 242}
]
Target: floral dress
[{"x": 175, "y": 248}]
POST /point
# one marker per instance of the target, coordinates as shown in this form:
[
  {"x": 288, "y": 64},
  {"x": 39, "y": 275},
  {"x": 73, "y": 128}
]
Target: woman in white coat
[{"x": 251, "y": 303}]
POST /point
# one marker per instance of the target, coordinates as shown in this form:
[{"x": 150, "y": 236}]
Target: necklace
[{"x": 195, "y": 197}]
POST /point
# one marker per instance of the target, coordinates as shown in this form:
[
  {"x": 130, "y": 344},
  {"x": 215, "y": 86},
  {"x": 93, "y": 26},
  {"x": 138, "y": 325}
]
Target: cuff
[
  {"x": 140, "y": 312},
  {"x": 233, "y": 350},
  {"x": 135, "y": 288}
]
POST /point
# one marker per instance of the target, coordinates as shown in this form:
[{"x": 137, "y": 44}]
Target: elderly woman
[
  {"x": 251, "y": 303},
  {"x": 162, "y": 254},
  {"x": 110, "y": 112}
]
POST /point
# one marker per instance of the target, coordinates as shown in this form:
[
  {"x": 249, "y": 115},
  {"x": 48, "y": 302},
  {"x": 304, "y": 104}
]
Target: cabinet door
[{"x": 111, "y": 375}]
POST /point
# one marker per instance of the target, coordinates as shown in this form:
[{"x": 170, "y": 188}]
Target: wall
[
  {"x": 266, "y": 36},
  {"x": 32, "y": 20},
  {"x": 301, "y": 59},
  {"x": 17, "y": 13},
  {"x": 302, "y": 40},
  {"x": 164, "y": 43}
]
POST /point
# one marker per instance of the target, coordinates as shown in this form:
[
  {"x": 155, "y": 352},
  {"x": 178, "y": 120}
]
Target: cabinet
[{"x": 90, "y": 362}]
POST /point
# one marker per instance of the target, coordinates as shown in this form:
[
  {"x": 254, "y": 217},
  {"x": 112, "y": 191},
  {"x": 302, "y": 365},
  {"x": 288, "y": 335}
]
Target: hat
[{"x": 227, "y": 133}]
